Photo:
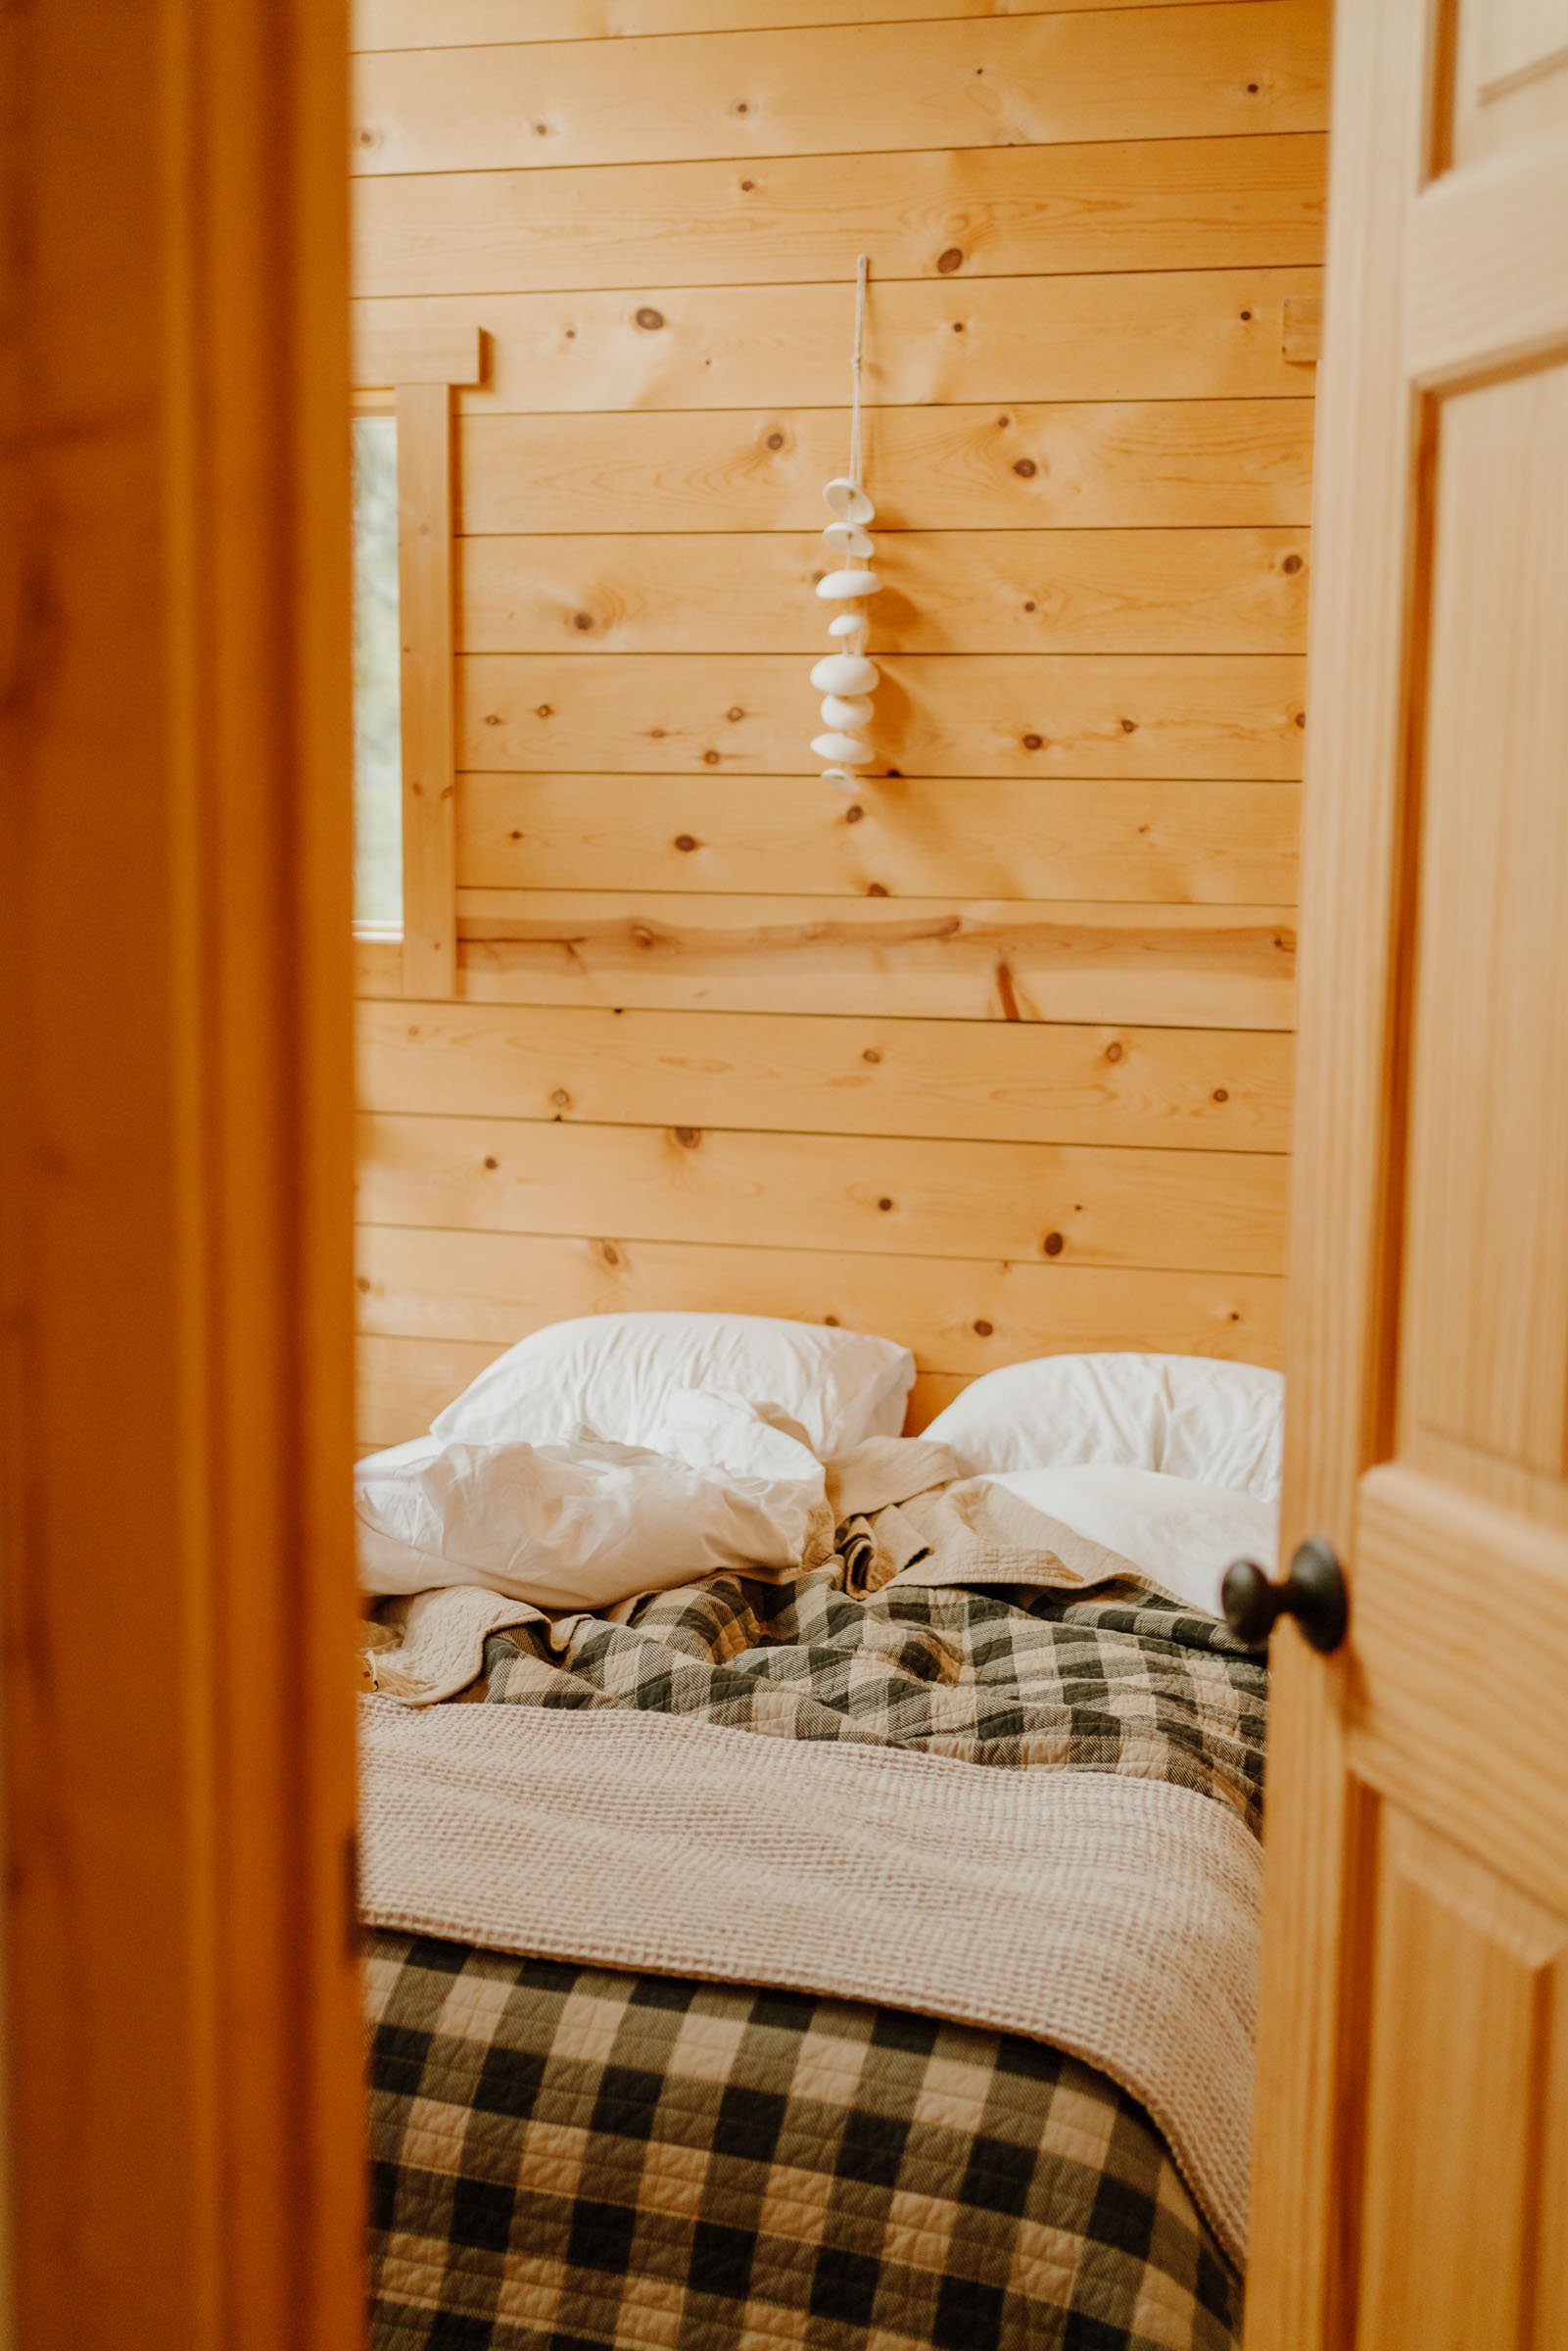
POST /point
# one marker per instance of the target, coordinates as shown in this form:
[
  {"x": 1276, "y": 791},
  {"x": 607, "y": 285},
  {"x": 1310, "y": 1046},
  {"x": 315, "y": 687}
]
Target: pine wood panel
[
  {"x": 425, "y": 635},
  {"x": 1244, "y": 65},
  {"x": 1164, "y": 965},
  {"x": 1215, "y": 1212},
  {"x": 468, "y": 23},
  {"x": 998, "y": 1080},
  {"x": 1200, "y": 843},
  {"x": 1135, "y": 465},
  {"x": 183, "y": 2156},
  {"x": 1018, "y": 714},
  {"x": 1164, "y": 335},
  {"x": 968, "y": 211},
  {"x": 944, "y": 592},
  {"x": 963, "y": 1316}
]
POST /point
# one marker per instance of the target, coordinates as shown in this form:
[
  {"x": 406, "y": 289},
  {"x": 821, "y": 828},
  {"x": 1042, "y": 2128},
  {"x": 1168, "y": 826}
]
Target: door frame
[{"x": 184, "y": 2103}]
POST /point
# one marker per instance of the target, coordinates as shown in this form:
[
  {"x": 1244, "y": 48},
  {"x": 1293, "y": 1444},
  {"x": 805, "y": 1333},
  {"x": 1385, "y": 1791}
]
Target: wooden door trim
[{"x": 185, "y": 2106}]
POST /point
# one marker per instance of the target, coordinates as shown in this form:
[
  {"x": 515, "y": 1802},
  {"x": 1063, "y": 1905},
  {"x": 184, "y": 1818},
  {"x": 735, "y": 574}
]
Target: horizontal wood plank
[
  {"x": 1197, "y": 1211},
  {"x": 972, "y": 212},
  {"x": 1163, "y": 967},
  {"x": 1013, "y": 714},
  {"x": 388, "y": 352},
  {"x": 476, "y": 23},
  {"x": 996, "y": 1080},
  {"x": 944, "y": 592},
  {"x": 1171, "y": 334},
  {"x": 455, "y": 1289},
  {"x": 1242, "y": 65},
  {"x": 1190, "y": 844},
  {"x": 1136, "y": 464}
]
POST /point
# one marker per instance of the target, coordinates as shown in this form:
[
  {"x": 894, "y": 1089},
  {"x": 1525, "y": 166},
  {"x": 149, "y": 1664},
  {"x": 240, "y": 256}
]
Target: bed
[{"x": 570, "y": 2155}]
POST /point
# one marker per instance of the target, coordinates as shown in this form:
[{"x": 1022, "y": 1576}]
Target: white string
[{"x": 862, "y": 265}]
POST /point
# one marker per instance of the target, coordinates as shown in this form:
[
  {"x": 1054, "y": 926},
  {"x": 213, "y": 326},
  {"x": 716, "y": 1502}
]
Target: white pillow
[
  {"x": 614, "y": 1375},
  {"x": 582, "y": 1526},
  {"x": 1181, "y": 1533},
  {"x": 1183, "y": 1414}
]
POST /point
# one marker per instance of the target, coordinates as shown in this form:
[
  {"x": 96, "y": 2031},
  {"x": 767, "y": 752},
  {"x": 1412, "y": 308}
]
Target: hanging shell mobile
[{"x": 846, "y": 678}]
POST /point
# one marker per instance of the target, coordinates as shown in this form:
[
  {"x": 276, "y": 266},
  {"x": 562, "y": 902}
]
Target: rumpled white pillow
[
  {"x": 614, "y": 1375},
  {"x": 583, "y": 1525},
  {"x": 1186, "y": 1414},
  {"x": 1182, "y": 1533}
]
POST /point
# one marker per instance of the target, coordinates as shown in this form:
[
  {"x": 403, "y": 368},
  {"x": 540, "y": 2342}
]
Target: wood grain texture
[
  {"x": 1063, "y": 925},
  {"x": 945, "y": 213},
  {"x": 998, "y": 1080},
  {"x": 1135, "y": 465},
  {"x": 1020, "y": 714},
  {"x": 944, "y": 592},
  {"x": 1181, "y": 844},
  {"x": 184, "y": 2101},
  {"x": 493, "y": 1288},
  {"x": 469, "y": 23},
  {"x": 412, "y": 351},
  {"x": 425, "y": 637},
  {"x": 1172, "y": 334},
  {"x": 1209, "y": 1212},
  {"x": 1164, "y": 965},
  {"x": 1244, "y": 65}
]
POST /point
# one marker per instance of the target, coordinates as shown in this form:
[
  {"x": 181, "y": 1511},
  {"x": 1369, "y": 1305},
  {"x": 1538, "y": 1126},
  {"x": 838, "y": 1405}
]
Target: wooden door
[
  {"x": 1412, "y": 2187},
  {"x": 183, "y": 2101}
]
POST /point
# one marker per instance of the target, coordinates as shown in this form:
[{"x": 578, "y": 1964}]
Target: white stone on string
[{"x": 847, "y": 679}]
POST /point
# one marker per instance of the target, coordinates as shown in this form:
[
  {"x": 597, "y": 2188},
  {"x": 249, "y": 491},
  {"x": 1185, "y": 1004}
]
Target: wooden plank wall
[{"x": 994, "y": 1056}]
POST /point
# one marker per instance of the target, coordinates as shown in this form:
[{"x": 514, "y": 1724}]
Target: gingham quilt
[{"x": 570, "y": 2159}]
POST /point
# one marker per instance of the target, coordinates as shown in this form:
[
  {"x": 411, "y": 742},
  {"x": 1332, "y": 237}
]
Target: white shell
[
  {"x": 855, "y": 712},
  {"x": 845, "y": 673},
  {"x": 840, "y": 586},
  {"x": 848, "y": 538},
  {"x": 847, "y": 501},
  {"x": 844, "y": 750},
  {"x": 841, "y": 777},
  {"x": 852, "y": 628}
]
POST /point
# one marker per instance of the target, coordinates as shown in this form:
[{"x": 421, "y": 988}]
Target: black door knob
[{"x": 1313, "y": 1592}]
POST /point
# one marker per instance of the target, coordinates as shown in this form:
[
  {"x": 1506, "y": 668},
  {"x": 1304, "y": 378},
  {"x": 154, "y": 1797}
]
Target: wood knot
[
  {"x": 884, "y": 1205},
  {"x": 1030, "y": 605},
  {"x": 746, "y": 186},
  {"x": 983, "y": 1328},
  {"x": 688, "y": 1137},
  {"x": 561, "y": 1098},
  {"x": 583, "y": 621},
  {"x": 854, "y": 814},
  {"x": 735, "y": 715},
  {"x": 685, "y": 841},
  {"x": 950, "y": 260},
  {"x": 872, "y": 1055},
  {"x": 1246, "y": 317},
  {"x": 1292, "y": 563},
  {"x": 1026, "y": 468},
  {"x": 832, "y": 1321},
  {"x": 609, "y": 1255},
  {"x": 545, "y": 710},
  {"x": 492, "y": 718},
  {"x": 776, "y": 441},
  {"x": 649, "y": 320},
  {"x": 1220, "y": 1094},
  {"x": 875, "y": 889},
  {"x": 1114, "y": 1050},
  {"x": 362, "y": 1282},
  {"x": 1129, "y": 726},
  {"x": 710, "y": 758},
  {"x": 1034, "y": 743},
  {"x": 490, "y": 1162},
  {"x": 1052, "y": 1244},
  {"x": 1300, "y": 718}
]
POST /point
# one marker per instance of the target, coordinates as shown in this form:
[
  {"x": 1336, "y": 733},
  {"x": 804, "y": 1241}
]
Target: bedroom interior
[{"x": 868, "y": 1231}]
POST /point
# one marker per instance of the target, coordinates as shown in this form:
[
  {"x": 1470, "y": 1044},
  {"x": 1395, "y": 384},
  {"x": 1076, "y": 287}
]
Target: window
[{"x": 377, "y": 674}]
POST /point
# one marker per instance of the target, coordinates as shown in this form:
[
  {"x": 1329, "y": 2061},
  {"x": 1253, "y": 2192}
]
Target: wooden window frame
[{"x": 412, "y": 373}]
